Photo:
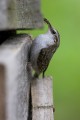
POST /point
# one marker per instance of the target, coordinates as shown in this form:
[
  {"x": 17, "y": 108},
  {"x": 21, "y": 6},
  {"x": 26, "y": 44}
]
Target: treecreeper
[{"x": 43, "y": 48}]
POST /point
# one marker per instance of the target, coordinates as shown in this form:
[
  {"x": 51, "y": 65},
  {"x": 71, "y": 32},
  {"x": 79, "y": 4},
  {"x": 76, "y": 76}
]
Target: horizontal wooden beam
[{"x": 20, "y": 14}]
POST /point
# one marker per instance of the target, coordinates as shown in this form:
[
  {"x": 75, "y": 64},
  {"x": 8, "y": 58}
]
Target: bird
[{"x": 43, "y": 48}]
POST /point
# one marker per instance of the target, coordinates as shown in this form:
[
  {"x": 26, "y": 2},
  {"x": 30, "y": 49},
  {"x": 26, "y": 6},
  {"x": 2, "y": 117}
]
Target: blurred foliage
[{"x": 65, "y": 65}]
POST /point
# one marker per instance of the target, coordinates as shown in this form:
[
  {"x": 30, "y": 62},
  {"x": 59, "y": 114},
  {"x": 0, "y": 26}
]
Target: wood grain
[
  {"x": 20, "y": 14},
  {"x": 14, "y": 55},
  {"x": 42, "y": 99}
]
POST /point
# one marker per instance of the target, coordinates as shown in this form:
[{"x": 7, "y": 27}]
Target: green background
[
  {"x": 65, "y": 66},
  {"x": 64, "y": 15}
]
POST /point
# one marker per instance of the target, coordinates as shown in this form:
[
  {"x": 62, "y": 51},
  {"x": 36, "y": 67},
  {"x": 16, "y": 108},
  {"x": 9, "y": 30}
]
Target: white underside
[{"x": 42, "y": 41}]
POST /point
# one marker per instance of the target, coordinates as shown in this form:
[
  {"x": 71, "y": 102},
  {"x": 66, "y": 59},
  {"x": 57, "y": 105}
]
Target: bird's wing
[{"x": 44, "y": 57}]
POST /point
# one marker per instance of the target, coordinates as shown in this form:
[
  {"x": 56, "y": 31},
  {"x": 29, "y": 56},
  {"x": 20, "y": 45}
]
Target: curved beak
[{"x": 51, "y": 28}]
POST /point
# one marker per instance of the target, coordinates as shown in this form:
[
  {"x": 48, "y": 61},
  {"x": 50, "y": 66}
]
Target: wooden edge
[
  {"x": 42, "y": 99},
  {"x": 2, "y": 93}
]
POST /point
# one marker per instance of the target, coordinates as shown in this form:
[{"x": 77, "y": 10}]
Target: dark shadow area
[
  {"x": 30, "y": 106},
  {"x": 6, "y": 34},
  {"x": 2, "y": 93}
]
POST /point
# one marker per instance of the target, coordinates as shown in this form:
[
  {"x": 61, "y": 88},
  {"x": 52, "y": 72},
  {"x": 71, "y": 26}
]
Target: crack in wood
[
  {"x": 30, "y": 106},
  {"x": 43, "y": 107}
]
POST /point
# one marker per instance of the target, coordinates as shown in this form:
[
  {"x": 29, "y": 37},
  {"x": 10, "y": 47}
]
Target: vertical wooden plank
[
  {"x": 2, "y": 93},
  {"x": 42, "y": 99},
  {"x": 14, "y": 55},
  {"x": 3, "y": 36}
]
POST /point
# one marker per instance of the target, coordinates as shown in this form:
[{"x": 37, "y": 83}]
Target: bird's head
[{"x": 54, "y": 32}]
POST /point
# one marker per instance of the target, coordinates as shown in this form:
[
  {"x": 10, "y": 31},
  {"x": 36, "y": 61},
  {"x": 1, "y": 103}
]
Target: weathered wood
[
  {"x": 20, "y": 14},
  {"x": 2, "y": 92},
  {"x": 43, "y": 114},
  {"x": 14, "y": 55},
  {"x": 42, "y": 99}
]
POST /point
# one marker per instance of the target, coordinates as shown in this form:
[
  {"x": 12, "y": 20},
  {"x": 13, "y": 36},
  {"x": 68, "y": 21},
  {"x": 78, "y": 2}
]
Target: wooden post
[
  {"x": 42, "y": 99},
  {"x": 15, "y": 76}
]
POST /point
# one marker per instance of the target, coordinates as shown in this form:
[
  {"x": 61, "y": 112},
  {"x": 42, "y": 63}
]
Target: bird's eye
[
  {"x": 55, "y": 40},
  {"x": 53, "y": 32}
]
